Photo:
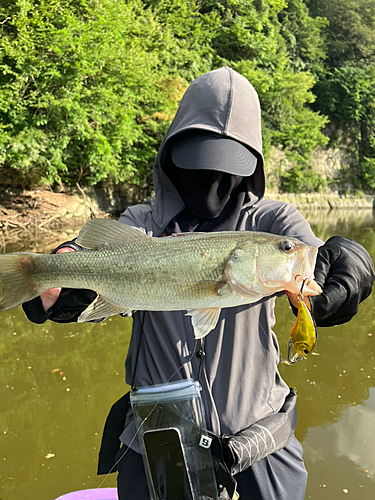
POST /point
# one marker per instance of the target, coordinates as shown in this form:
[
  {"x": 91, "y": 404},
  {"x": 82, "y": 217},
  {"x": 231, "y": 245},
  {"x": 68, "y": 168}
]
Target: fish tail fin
[{"x": 16, "y": 282}]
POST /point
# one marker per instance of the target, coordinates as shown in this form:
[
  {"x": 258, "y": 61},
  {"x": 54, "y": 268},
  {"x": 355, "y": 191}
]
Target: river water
[{"x": 57, "y": 383}]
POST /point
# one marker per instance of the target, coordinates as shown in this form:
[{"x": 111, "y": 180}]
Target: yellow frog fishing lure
[{"x": 304, "y": 334}]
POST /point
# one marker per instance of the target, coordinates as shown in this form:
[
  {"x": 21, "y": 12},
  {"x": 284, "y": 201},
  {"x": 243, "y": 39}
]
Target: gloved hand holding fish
[
  {"x": 345, "y": 272},
  {"x": 129, "y": 270}
]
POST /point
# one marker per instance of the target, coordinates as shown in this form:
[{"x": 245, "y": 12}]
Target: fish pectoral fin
[
  {"x": 101, "y": 308},
  {"x": 98, "y": 233},
  {"x": 207, "y": 288},
  {"x": 203, "y": 320}
]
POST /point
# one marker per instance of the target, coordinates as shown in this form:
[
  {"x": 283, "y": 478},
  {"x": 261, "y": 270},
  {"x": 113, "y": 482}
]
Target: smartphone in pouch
[{"x": 166, "y": 463}]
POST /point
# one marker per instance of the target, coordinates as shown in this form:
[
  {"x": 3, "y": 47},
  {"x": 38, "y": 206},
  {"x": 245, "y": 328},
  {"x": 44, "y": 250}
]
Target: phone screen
[{"x": 167, "y": 465}]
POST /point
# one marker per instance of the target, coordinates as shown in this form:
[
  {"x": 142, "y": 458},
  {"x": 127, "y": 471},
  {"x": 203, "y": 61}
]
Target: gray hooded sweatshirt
[{"x": 240, "y": 379}]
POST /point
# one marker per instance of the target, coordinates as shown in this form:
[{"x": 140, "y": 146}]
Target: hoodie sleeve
[
  {"x": 282, "y": 218},
  {"x": 137, "y": 216}
]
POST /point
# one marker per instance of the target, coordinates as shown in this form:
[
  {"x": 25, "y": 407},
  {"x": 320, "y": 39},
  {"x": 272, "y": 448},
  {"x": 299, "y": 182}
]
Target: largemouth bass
[{"x": 197, "y": 272}]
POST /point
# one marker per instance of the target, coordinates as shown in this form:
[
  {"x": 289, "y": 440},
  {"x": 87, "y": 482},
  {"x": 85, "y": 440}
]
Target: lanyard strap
[
  {"x": 200, "y": 354},
  {"x": 138, "y": 349}
]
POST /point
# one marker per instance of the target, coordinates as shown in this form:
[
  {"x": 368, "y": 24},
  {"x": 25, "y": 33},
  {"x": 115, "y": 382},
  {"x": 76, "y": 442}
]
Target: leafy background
[{"x": 89, "y": 87}]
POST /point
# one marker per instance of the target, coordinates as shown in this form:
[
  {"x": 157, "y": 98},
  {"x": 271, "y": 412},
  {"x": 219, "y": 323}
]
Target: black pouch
[{"x": 113, "y": 428}]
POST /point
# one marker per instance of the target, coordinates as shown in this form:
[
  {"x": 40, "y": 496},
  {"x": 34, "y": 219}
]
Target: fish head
[
  {"x": 268, "y": 263},
  {"x": 287, "y": 263},
  {"x": 302, "y": 271}
]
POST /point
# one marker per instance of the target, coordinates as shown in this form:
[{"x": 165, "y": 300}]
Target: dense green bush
[
  {"x": 346, "y": 85},
  {"x": 89, "y": 87},
  {"x": 301, "y": 178},
  {"x": 80, "y": 83}
]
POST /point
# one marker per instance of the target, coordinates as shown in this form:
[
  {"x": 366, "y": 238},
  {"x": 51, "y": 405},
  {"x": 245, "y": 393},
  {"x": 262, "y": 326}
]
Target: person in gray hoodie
[{"x": 209, "y": 176}]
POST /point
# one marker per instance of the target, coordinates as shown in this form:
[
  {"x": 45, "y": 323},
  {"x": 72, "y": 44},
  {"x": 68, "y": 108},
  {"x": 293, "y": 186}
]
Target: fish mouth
[{"x": 303, "y": 274}]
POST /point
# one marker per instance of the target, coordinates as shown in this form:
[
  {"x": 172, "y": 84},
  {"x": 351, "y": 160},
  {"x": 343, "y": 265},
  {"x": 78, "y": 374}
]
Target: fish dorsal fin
[
  {"x": 101, "y": 308},
  {"x": 97, "y": 233},
  {"x": 204, "y": 320}
]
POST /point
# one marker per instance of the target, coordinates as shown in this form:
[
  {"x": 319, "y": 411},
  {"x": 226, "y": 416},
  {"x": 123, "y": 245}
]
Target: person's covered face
[
  {"x": 205, "y": 192},
  {"x": 207, "y": 169}
]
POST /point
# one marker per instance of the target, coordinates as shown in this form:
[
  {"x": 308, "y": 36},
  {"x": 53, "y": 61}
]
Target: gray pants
[{"x": 280, "y": 476}]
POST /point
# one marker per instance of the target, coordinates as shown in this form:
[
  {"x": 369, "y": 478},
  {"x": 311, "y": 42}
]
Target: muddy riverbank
[
  {"x": 36, "y": 216},
  {"x": 45, "y": 208}
]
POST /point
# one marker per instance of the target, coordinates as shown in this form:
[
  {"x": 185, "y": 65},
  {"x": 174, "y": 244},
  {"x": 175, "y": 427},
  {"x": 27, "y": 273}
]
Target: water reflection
[
  {"x": 57, "y": 383},
  {"x": 341, "y": 455},
  {"x": 354, "y": 434}
]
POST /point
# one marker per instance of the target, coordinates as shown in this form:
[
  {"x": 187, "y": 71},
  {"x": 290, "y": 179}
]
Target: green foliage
[
  {"x": 302, "y": 35},
  {"x": 350, "y": 32},
  {"x": 81, "y": 80},
  {"x": 88, "y": 88},
  {"x": 347, "y": 96},
  {"x": 301, "y": 178},
  {"x": 367, "y": 170},
  {"x": 248, "y": 30},
  {"x": 346, "y": 89}
]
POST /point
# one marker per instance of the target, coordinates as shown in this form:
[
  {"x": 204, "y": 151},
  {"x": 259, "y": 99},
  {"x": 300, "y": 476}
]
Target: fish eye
[
  {"x": 305, "y": 351},
  {"x": 287, "y": 246}
]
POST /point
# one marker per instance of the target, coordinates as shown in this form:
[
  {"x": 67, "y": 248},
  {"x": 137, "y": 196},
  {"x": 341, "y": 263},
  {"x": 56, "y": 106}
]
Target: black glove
[
  {"x": 68, "y": 307},
  {"x": 345, "y": 271}
]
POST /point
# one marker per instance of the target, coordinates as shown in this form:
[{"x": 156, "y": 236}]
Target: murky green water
[{"x": 57, "y": 383}]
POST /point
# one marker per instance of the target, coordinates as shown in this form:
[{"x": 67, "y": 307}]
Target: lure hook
[
  {"x": 292, "y": 360},
  {"x": 300, "y": 296}
]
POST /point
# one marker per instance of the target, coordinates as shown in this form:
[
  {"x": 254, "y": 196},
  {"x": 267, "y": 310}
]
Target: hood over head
[{"x": 217, "y": 109}]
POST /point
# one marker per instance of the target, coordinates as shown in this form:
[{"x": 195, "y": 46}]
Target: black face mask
[
  {"x": 213, "y": 199},
  {"x": 205, "y": 192}
]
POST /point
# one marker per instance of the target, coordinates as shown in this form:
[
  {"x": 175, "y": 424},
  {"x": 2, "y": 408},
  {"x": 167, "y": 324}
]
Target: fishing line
[
  {"x": 271, "y": 329},
  {"x": 145, "y": 419}
]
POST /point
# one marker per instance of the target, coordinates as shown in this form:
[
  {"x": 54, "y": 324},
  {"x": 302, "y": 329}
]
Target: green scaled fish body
[{"x": 197, "y": 272}]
